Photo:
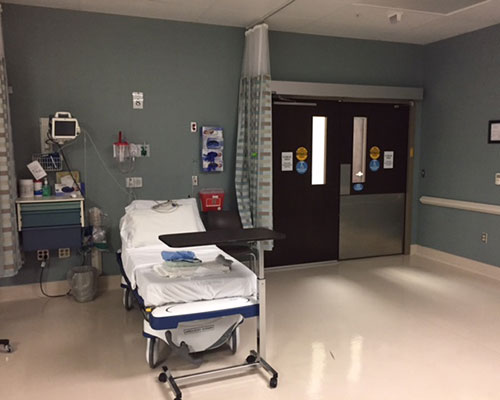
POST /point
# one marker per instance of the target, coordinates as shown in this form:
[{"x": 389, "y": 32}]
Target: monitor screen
[{"x": 64, "y": 129}]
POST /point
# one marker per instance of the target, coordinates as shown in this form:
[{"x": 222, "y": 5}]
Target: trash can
[{"x": 83, "y": 283}]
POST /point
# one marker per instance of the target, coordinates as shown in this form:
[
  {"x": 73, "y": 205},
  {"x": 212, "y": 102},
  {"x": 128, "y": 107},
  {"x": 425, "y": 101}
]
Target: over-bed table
[{"x": 256, "y": 358}]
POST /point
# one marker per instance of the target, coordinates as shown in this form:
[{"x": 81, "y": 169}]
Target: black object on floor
[{"x": 5, "y": 343}]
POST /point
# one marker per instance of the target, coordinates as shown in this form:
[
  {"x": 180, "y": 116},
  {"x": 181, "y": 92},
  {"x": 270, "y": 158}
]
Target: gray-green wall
[
  {"x": 309, "y": 58},
  {"x": 462, "y": 94},
  {"x": 90, "y": 64}
]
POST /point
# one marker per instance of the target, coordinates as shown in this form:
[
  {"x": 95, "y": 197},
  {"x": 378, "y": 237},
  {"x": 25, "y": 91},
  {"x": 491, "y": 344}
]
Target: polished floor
[{"x": 385, "y": 328}]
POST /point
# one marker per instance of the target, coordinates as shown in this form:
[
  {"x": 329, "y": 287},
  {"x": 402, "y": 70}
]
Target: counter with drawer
[{"x": 50, "y": 222}]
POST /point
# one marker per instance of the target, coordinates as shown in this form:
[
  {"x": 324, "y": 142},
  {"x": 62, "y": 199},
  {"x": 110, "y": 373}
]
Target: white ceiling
[{"x": 422, "y": 22}]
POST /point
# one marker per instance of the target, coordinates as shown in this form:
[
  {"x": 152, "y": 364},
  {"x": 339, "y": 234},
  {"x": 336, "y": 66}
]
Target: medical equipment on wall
[
  {"x": 126, "y": 153},
  {"x": 50, "y": 162},
  {"x": 58, "y": 129},
  {"x": 211, "y": 199},
  {"x": 212, "y": 147},
  {"x": 121, "y": 149},
  {"x": 63, "y": 127},
  {"x": 121, "y": 153}
]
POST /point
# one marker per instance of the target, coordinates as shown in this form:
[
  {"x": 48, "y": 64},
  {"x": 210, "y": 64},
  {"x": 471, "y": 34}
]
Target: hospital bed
[{"x": 191, "y": 313}]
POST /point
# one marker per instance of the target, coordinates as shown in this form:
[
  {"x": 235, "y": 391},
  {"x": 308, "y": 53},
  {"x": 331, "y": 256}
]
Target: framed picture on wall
[{"x": 494, "y": 132}]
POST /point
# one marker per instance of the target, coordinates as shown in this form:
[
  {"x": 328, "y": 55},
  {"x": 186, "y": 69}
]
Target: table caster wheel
[
  {"x": 273, "y": 382},
  {"x": 250, "y": 359},
  {"x": 162, "y": 377}
]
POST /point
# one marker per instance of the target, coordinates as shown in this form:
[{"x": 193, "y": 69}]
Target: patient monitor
[{"x": 63, "y": 127}]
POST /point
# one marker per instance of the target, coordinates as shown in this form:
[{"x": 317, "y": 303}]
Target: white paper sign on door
[
  {"x": 287, "y": 161},
  {"x": 388, "y": 159}
]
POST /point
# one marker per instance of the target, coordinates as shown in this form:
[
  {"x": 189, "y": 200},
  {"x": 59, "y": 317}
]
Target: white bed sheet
[
  {"x": 141, "y": 250},
  {"x": 157, "y": 290}
]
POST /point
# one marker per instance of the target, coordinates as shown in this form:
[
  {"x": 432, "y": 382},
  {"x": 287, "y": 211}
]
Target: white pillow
[{"x": 141, "y": 225}]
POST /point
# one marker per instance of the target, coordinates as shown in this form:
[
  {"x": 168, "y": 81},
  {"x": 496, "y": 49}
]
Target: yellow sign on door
[
  {"x": 374, "y": 153},
  {"x": 301, "y": 154}
]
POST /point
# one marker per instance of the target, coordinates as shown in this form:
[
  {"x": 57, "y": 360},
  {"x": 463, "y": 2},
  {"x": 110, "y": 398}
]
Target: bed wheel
[
  {"x": 233, "y": 340},
  {"x": 152, "y": 351},
  {"x": 250, "y": 359},
  {"x": 127, "y": 299},
  {"x": 162, "y": 377},
  {"x": 273, "y": 382}
]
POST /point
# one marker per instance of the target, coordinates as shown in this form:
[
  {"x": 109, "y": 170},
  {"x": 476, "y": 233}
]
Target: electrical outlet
[
  {"x": 194, "y": 127},
  {"x": 133, "y": 182},
  {"x": 139, "y": 150},
  {"x": 145, "y": 151},
  {"x": 194, "y": 180},
  {"x": 64, "y": 252},
  {"x": 42, "y": 254},
  {"x": 137, "y": 100},
  {"x": 484, "y": 237}
]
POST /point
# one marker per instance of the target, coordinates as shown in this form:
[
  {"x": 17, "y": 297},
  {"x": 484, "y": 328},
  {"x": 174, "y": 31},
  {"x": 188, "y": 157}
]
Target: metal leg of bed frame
[{"x": 255, "y": 359}]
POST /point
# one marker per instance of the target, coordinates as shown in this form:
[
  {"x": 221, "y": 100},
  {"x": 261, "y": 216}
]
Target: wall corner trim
[
  {"x": 477, "y": 267},
  {"x": 316, "y": 89}
]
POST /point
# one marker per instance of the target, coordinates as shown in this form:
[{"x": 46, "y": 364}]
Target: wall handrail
[{"x": 461, "y": 205}]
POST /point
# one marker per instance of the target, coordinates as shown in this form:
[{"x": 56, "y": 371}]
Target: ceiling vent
[{"x": 441, "y": 7}]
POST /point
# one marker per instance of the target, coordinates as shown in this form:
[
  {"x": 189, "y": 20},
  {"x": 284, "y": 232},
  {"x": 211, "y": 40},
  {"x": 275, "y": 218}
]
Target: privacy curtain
[
  {"x": 9, "y": 246},
  {"x": 254, "y": 174}
]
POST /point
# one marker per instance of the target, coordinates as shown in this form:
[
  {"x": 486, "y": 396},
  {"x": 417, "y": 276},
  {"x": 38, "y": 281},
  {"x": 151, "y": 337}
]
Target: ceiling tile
[
  {"x": 430, "y": 6},
  {"x": 325, "y": 17},
  {"x": 238, "y": 12},
  {"x": 289, "y": 24},
  {"x": 311, "y": 9},
  {"x": 356, "y": 22}
]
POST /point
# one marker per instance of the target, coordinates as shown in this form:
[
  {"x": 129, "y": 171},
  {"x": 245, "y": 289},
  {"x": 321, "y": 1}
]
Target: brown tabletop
[{"x": 220, "y": 237}]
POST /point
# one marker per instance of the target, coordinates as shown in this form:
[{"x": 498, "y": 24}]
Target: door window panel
[
  {"x": 318, "y": 167},
  {"x": 359, "y": 150}
]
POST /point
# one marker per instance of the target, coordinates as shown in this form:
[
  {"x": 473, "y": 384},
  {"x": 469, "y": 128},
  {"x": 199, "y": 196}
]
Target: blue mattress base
[{"x": 173, "y": 321}]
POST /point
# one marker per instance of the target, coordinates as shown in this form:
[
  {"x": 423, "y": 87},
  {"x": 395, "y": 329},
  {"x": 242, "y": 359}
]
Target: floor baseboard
[
  {"x": 301, "y": 266},
  {"x": 32, "y": 290},
  {"x": 491, "y": 271}
]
